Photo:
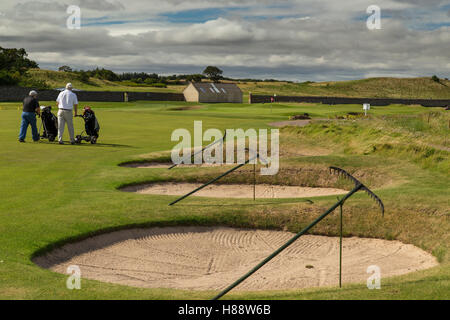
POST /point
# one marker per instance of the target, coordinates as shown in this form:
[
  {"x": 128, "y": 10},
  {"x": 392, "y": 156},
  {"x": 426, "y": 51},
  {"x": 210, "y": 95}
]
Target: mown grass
[{"x": 53, "y": 194}]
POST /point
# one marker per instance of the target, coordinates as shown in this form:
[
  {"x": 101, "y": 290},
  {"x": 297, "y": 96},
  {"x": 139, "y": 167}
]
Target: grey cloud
[
  {"x": 101, "y": 5},
  {"x": 328, "y": 46},
  {"x": 32, "y": 7},
  {"x": 422, "y": 3}
]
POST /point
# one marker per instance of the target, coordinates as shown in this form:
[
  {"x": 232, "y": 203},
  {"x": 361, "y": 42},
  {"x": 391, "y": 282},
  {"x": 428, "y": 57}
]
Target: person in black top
[{"x": 30, "y": 109}]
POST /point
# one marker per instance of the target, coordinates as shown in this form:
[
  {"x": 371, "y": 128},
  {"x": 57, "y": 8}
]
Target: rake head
[{"x": 342, "y": 173}]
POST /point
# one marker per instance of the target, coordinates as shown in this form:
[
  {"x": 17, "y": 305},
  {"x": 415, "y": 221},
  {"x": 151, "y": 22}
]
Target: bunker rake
[
  {"x": 344, "y": 174},
  {"x": 205, "y": 148},
  {"x": 358, "y": 186},
  {"x": 250, "y": 159}
]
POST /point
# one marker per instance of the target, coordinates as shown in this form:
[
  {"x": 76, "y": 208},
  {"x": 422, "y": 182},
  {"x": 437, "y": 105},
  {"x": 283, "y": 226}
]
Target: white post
[{"x": 366, "y": 108}]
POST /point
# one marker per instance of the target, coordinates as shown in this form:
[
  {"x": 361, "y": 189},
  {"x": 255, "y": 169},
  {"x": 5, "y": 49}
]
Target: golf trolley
[
  {"x": 50, "y": 123},
  {"x": 91, "y": 127}
]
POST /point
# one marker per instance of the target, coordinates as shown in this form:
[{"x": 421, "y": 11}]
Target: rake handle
[
  {"x": 287, "y": 244},
  {"x": 207, "y": 184},
  {"x": 214, "y": 180},
  {"x": 201, "y": 151}
]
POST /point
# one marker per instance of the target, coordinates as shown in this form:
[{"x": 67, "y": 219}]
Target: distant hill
[
  {"x": 58, "y": 79},
  {"x": 408, "y": 88},
  {"x": 413, "y": 88}
]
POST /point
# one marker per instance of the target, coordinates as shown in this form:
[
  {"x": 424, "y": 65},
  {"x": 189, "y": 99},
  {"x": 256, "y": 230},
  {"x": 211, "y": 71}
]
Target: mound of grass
[
  {"x": 414, "y": 88},
  {"x": 57, "y": 79}
]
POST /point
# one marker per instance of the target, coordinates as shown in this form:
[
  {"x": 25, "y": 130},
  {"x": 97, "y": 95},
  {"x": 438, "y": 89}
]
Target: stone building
[{"x": 208, "y": 92}]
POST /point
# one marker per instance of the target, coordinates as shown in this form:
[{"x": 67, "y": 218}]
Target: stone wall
[
  {"x": 155, "y": 96},
  {"x": 18, "y": 94},
  {"x": 337, "y": 100}
]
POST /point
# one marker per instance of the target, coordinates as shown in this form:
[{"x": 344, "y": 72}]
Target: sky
[{"x": 297, "y": 40}]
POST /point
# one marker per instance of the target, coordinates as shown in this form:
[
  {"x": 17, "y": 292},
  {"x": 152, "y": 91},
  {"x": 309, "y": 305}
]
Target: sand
[
  {"x": 241, "y": 191},
  {"x": 208, "y": 258}
]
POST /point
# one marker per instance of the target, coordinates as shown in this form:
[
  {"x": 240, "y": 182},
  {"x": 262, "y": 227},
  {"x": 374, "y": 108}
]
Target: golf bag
[
  {"x": 50, "y": 124},
  {"x": 91, "y": 127}
]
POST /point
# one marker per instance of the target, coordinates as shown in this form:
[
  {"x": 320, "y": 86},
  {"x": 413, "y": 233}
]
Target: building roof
[{"x": 217, "y": 88}]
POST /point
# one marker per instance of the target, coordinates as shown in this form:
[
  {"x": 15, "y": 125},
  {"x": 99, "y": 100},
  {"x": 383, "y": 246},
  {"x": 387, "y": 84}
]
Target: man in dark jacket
[{"x": 30, "y": 109}]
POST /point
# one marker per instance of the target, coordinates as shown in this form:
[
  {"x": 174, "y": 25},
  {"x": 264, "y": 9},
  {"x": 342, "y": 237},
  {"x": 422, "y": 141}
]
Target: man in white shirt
[{"x": 67, "y": 102}]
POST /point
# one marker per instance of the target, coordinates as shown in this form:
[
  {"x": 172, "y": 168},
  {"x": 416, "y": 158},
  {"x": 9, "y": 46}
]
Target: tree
[
  {"x": 15, "y": 60},
  {"x": 150, "y": 81},
  {"x": 435, "y": 78},
  {"x": 65, "y": 69},
  {"x": 194, "y": 78},
  {"x": 14, "y": 65},
  {"x": 84, "y": 76},
  {"x": 9, "y": 79},
  {"x": 103, "y": 74},
  {"x": 213, "y": 73}
]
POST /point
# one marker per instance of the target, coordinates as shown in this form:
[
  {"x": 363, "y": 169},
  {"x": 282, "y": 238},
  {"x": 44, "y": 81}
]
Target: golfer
[
  {"x": 67, "y": 103},
  {"x": 30, "y": 109}
]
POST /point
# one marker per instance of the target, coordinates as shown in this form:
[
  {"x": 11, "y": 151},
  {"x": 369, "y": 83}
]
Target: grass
[
  {"x": 407, "y": 88},
  {"x": 57, "y": 79},
  {"x": 54, "y": 194}
]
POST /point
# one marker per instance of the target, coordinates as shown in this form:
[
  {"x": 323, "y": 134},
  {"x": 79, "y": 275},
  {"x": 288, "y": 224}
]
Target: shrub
[
  {"x": 159, "y": 85},
  {"x": 65, "y": 69},
  {"x": 304, "y": 116},
  {"x": 150, "y": 81},
  {"x": 31, "y": 82},
  {"x": 435, "y": 78},
  {"x": 8, "y": 78},
  {"x": 84, "y": 76}
]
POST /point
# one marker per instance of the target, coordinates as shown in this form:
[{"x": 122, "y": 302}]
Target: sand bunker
[
  {"x": 201, "y": 258},
  {"x": 241, "y": 191}
]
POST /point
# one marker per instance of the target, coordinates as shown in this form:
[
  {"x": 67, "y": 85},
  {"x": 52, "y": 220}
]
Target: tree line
[
  {"x": 15, "y": 64},
  {"x": 211, "y": 72}
]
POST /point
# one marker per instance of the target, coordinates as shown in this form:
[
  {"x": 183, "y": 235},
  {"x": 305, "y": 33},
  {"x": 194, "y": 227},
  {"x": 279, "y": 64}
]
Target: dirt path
[
  {"x": 201, "y": 258},
  {"x": 295, "y": 123},
  {"x": 241, "y": 191}
]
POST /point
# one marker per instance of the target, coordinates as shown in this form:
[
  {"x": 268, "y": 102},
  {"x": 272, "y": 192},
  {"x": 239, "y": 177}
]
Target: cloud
[
  {"x": 101, "y": 5},
  {"x": 422, "y": 2},
  {"x": 294, "y": 39}
]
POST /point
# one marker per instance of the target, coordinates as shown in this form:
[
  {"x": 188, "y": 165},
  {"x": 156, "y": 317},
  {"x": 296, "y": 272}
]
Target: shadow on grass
[
  {"x": 102, "y": 145},
  {"x": 105, "y": 145},
  {"x": 247, "y": 204}
]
